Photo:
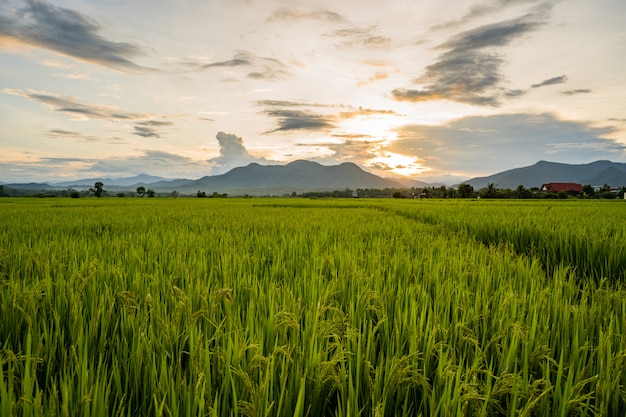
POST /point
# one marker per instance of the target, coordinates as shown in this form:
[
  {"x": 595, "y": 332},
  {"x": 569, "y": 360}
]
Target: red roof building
[{"x": 568, "y": 187}]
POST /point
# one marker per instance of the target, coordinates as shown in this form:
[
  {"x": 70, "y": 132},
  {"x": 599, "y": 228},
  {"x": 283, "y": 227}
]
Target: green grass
[{"x": 311, "y": 307}]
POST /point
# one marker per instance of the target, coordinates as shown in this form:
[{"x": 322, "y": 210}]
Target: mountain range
[
  {"x": 595, "y": 173},
  {"x": 253, "y": 179},
  {"x": 305, "y": 176}
]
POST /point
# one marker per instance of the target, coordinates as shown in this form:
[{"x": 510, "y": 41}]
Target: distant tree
[
  {"x": 398, "y": 194},
  {"x": 174, "y": 194},
  {"x": 522, "y": 192},
  {"x": 150, "y": 192},
  {"x": 588, "y": 191},
  {"x": 120, "y": 194},
  {"x": 465, "y": 191},
  {"x": 201, "y": 194},
  {"x": 141, "y": 191},
  {"x": 75, "y": 194},
  {"x": 490, "y": 191},
  {"x": 98, "y": 189}
]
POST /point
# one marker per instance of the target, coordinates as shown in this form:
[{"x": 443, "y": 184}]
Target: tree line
[{"x": 461, "y": 191}]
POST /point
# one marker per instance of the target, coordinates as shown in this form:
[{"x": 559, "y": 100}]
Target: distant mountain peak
[{"x": 542, "y": 172}]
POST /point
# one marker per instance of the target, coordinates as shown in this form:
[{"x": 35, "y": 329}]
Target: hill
[
  {"x": 594, "y": 173},
  {"x": 299, "y": 176}
]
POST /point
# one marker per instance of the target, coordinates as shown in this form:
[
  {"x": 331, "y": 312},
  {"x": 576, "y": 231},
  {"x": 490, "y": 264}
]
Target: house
[{"x": 568, "y": 187}]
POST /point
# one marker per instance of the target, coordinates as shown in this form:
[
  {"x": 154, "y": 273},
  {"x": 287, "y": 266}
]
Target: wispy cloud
[
  {"x": 265, "y": 68},
  {"x": 378, "y": 76},
  {"x": 151, "y": 162},
  {"x": 470, "y": 70},
  {"x": 285, "y": 103},
  {"x": 294, "y": 116},
  {"x": 69, "y": 134},
  {"x": 67, "y": 32},
  {"x": 149, "y": 128},
  {"x": 352, "y": 148},
  {"x": 367, "y": 37},
  {"x": 70, "y": 106},
  {"x": 574, "y": 92},
  {"x": 551, "y": 81},
  {"x": 299, "y": 120},
  {"x": 290, "y": 15},
  {"x": 366, "y": 112},
  {"x": 484, "y": 9}
]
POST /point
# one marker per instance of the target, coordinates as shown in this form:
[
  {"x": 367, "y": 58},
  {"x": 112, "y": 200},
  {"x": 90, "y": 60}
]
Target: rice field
[{"x": 294, "y": 307}]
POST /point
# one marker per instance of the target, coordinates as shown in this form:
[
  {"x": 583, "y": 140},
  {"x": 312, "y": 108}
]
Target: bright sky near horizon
[{"x": 432, "y": 90}]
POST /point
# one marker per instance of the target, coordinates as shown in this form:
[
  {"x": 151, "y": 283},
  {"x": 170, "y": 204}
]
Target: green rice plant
[{"x": 309, "y": 307}]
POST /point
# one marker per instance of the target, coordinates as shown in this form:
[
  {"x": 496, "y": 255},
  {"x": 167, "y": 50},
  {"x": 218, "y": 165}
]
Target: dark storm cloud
[
  {"x": 70, "y": 106},
  {"x": 470, "y": 70},
  {"x": 68, "y": 32},
  {"x": 296, "y": 14},
  {"x": 574, "y": 92},
  {"x": 299, "y": 120},
  {"x": 494, "y": 143},
  {"x": 551, "y": 81}
]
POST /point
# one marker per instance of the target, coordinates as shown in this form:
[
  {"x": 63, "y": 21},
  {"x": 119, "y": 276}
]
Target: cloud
[
  {"x": 299, "y": 120},
  {"x": 484, "y": 9},
  {"x": 233, "y": 154},
  {"x": 366, "y": 112},
  {"x": 67, "y": 32},
  {"x": 353, "y": 148},
  {"x": 62, "y": 169},
  {"x": 263, "y": 68},
  {"x": 297, "y": 14},
  {"x": 150, "y": 162},
  {"x": 483, "y": 145},
  {"x": 290, "y": 119},
  {"x": 285, "y": 103},
  {"x": 66, "y": 134},
  {"x": 155, "y": 123},
  {"x": 367, "y": 37},
  {"x": 551, "y": 81},
  {"x": 574, "y": 92},
  {"x": 470, "y": 69},
  {"x": 71, "y": 107},
  {"x": 146, "y": 132},
  {"x": 241, "y": 58},
  {"x": 148, "y": 129},
  {"x": 378, "y": 76}
]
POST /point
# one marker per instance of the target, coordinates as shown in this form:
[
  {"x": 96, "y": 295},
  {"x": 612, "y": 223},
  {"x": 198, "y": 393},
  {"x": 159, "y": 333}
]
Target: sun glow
[
  {"x": 397, "y": 164},
  {"x": 380, "y": 129},
  {"x": 373, "y": 127}
]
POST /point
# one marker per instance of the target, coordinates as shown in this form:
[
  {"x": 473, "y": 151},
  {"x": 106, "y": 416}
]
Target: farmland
[{"x": 299, "y": 307}]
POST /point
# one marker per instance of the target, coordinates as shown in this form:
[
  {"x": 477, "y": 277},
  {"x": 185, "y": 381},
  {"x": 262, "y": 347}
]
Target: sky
[{"x": 430, "y": 90}]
